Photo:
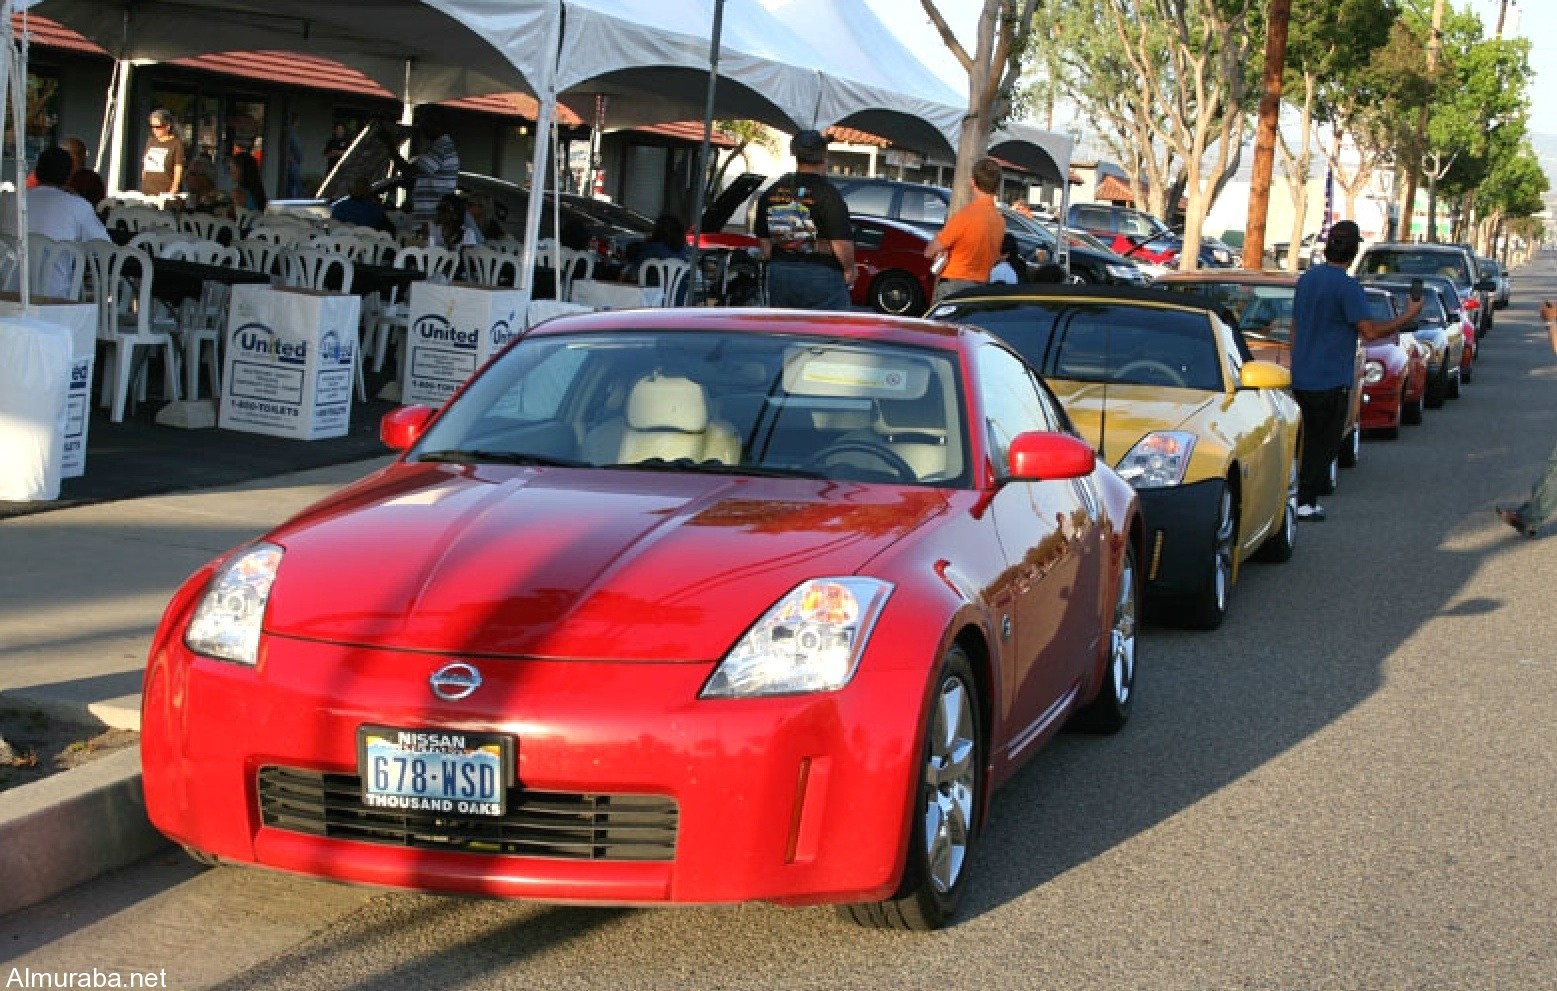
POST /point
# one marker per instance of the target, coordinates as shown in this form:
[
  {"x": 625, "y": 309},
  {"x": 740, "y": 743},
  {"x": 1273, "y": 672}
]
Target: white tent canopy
[
  {"x": 870, "y": 80},
  {"x": 651, "y": 58},
  {"x": 454, "y": 47}
]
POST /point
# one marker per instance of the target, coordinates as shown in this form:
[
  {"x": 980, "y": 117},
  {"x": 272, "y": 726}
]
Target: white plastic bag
[{"x": 35, "y": 360}]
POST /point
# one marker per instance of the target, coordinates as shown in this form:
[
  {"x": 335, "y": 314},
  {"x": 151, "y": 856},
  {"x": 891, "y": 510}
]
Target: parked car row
[{"x": 660, "y": 592}]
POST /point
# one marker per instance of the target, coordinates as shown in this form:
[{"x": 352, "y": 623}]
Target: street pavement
[{"x": 1352, "y": 784}]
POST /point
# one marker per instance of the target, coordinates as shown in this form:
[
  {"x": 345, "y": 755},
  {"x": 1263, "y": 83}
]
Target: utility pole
[
  {"x": 1419, "y": 142},
  {"x": 1265, "y": 136},
  {"x": 1502, "y": 16}
]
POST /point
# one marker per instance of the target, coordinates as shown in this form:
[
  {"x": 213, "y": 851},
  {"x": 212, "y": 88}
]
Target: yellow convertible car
[{"x": 1170, "y": 396}]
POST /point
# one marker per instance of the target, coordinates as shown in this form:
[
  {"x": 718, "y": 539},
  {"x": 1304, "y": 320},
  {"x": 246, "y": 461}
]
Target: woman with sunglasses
[{"x": 162, "y": 163}]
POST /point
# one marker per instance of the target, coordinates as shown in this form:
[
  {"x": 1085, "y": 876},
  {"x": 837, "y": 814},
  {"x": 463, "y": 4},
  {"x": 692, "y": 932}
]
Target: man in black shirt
[{"x": 803, "y": 231}]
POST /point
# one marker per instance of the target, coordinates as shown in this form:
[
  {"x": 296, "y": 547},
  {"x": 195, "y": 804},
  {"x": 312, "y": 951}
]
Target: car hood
[
  {"x": 1129, "y": 412},
  {"x": 571, "y": 563},
  {"x": 719, "y": 212}
]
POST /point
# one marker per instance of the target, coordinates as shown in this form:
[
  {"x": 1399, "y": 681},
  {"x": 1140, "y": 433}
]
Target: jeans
[
  {"x": 804, "y": 286},
  {"x": 1324, "y": 424},
  {"x": 1543, "y": 495}
]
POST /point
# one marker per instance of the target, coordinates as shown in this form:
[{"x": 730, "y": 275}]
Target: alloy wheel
[
  {"x": 950, "y": 778},
  {"x": 1123, "y": 636},
  {"x": 1225, "y": 531}
]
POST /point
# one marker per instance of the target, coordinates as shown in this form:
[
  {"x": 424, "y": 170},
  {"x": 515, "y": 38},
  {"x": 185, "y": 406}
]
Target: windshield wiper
[
  {"x": 717, "y": 468},
  {"x": 455, "y": 456}
]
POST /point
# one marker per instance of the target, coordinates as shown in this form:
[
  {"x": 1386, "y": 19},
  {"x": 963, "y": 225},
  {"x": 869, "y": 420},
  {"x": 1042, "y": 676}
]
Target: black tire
[
  {"x": 1208, "y": 607},
  {"x": 1279, "y": 545},
  {"x": 1411, "y": 412},
  {"x": 926, "y": 901},
  {"x": 1332, "y": 477},
  {"x": 897, "y": 293},
  {"x": 1438, "y": 389},
  {"x": 1465, "y": 372},
  {"x": 1351, "y": 448},
  {"x": 1453, "y": 390},
  {"x": 1110, "y": 710}
]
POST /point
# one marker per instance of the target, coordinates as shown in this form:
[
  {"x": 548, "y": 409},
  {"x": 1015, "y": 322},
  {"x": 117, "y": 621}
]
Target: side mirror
[
  {"x": 1264, "y": 375},
  {"x": 1486, "y": 285},
  {"x": 1038, "y": 456},
  {"x": 1042, "y": 256},
  {"x": 401, "y": 428}
]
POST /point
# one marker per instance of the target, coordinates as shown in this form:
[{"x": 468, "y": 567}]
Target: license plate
[{"x": 455, "y": 773}]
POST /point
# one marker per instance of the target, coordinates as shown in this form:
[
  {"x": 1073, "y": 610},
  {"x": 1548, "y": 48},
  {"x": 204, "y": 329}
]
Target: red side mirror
[
  {"x": 401, "y": 428},
  {"x": 1046, "y": 457}
]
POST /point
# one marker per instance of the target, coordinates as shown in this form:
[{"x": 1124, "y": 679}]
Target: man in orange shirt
[{"x": 971, "y": 238}]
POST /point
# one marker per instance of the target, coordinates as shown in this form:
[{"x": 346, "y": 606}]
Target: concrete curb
[
  {"x": 71, "y": 827},
  {"x": 121, "y": 713}
]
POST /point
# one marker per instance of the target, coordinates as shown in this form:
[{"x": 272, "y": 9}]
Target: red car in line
[
  {"x": 686, "y": 606},
  {"x": 1394, "y": 373},
  {"x": 893, "y": 275}
]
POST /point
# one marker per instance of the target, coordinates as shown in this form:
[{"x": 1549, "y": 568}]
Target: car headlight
[
  {"x": 227, "y": 622},
  {"x": 1158, "y": 460},
  {"x": 1373, "y": 373},
  {"x": 1129, "y": 272},
  {"x": 810, "y": 641}
]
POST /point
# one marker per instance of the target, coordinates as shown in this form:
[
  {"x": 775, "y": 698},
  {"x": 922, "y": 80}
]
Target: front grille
[{"x": 564, "y": 825}]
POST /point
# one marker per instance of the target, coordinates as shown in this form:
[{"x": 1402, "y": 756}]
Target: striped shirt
[{"x": 439, "y": 166}]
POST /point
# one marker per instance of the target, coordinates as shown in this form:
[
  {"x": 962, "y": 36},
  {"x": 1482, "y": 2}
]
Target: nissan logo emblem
[{"x": 453, "y": 682}]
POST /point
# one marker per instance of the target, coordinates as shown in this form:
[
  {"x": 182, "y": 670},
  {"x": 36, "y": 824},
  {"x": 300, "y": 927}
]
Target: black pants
[{"x": 1324, "y": 424}]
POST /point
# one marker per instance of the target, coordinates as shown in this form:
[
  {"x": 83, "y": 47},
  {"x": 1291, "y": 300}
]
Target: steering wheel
[
  {"x": 880, "y": 452},
  {"x": 1165, "y": 373}
]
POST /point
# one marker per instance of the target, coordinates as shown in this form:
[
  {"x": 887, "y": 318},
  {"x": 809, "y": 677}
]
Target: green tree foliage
[
  {"x": 994, "y": 67},
  {"x": 1330, "y": 48}
]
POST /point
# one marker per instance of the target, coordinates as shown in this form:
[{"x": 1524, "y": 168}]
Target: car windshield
[
  {"x": 1414, "y": 261},
  {"x": 714, "y": 403},
  {"x": 1379, "y": 306},
  {"x": 1263, "y": 312},
  {"x": 1118, "y": 343},
  {"x": 1432, "y": 303}
]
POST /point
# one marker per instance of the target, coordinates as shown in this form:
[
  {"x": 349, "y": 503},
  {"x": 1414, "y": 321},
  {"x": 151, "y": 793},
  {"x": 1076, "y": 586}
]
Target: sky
[{"x": 1533, "y": 19}]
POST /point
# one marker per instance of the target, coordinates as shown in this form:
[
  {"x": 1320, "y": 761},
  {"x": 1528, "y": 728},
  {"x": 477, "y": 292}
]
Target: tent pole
[
  {"x": 1062, "y": 242},
  {"x": 115, "y": 177},
  {"x": 110, "y": 112},
  {"x": 695, "y": 295},
  {"x": 556, "y": 196},
  {"x": 532, "y": 218}
]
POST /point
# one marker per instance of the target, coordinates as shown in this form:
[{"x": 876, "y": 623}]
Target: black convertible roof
[{"x": 1042, "y": 292}]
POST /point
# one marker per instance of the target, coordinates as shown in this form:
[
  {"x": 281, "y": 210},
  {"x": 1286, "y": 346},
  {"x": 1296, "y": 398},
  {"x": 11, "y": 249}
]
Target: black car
[{"x": 926, "y": 207}]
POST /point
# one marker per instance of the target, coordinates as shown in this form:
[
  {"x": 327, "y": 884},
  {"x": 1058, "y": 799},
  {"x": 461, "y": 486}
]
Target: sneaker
[
  {"x": 1516, "y": 519},
  {"x": 1310, "y": 514}
]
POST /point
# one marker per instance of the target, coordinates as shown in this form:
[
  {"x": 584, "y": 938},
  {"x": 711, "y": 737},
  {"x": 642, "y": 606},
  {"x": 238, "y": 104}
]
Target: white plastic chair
[
  {"x": 488, "y": 266},
  {"x": 209, "y": 228},
  {"x": 259, "y": 255},
  {"x": 667, "y": 273},
  {"x": 311, "y": 269},
  {"x": 571, "y": 265},
  {"x": 208, "y": 252},
  {"x": 45, "y": 258},
  {"x": 127, "y": 325}
]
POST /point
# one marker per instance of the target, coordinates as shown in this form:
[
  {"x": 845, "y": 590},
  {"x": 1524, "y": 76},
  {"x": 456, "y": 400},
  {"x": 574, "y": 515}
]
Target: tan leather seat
[
  {"x": 915, "y": 430},
  {"x": 667, "y": 418}
]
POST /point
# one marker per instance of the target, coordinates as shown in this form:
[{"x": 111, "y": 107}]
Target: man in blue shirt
[{"x": 1329, "y": 312}]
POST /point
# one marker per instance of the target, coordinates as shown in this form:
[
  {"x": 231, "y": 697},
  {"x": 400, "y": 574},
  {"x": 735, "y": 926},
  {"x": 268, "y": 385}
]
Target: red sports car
[
  {"x": 665, "y": 606},
  {"x": 1394, "y": 373},
  {"x": 893, "y": 275}
]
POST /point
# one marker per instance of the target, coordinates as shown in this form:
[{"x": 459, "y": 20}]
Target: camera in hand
[{"x": 1416, "y": 289}]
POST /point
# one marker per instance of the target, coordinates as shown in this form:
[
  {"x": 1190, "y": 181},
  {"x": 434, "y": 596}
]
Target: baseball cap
[
  {"x": 162, "y": 116},
  {"x": 1343, "y": 240},
  {"x": 809, "y": 147}
]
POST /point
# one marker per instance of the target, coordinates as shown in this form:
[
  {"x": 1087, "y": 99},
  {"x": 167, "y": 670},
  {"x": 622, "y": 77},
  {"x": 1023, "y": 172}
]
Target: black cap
[
  {"x": 809, "y": 147},
  {"x": 1342, "y": 243}
]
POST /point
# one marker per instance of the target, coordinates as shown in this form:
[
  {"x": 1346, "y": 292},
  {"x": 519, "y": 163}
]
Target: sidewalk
[{"x": 82, "y": 589}]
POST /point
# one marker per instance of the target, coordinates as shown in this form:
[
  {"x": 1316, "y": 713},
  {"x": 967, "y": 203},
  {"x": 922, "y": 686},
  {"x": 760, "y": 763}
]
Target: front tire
[
  {"x": 1110, "y": 710},
  {"x": 1411, "y": 412},
  {"x": 1278, "y": 546},
  {"x": 1208, "y": 607},
  {"x": 1453, "y": 391},
  {"x": 945, "y": 811}
]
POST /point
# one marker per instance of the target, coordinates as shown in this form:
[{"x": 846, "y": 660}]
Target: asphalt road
[{"x": 1353, "y": 784}]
